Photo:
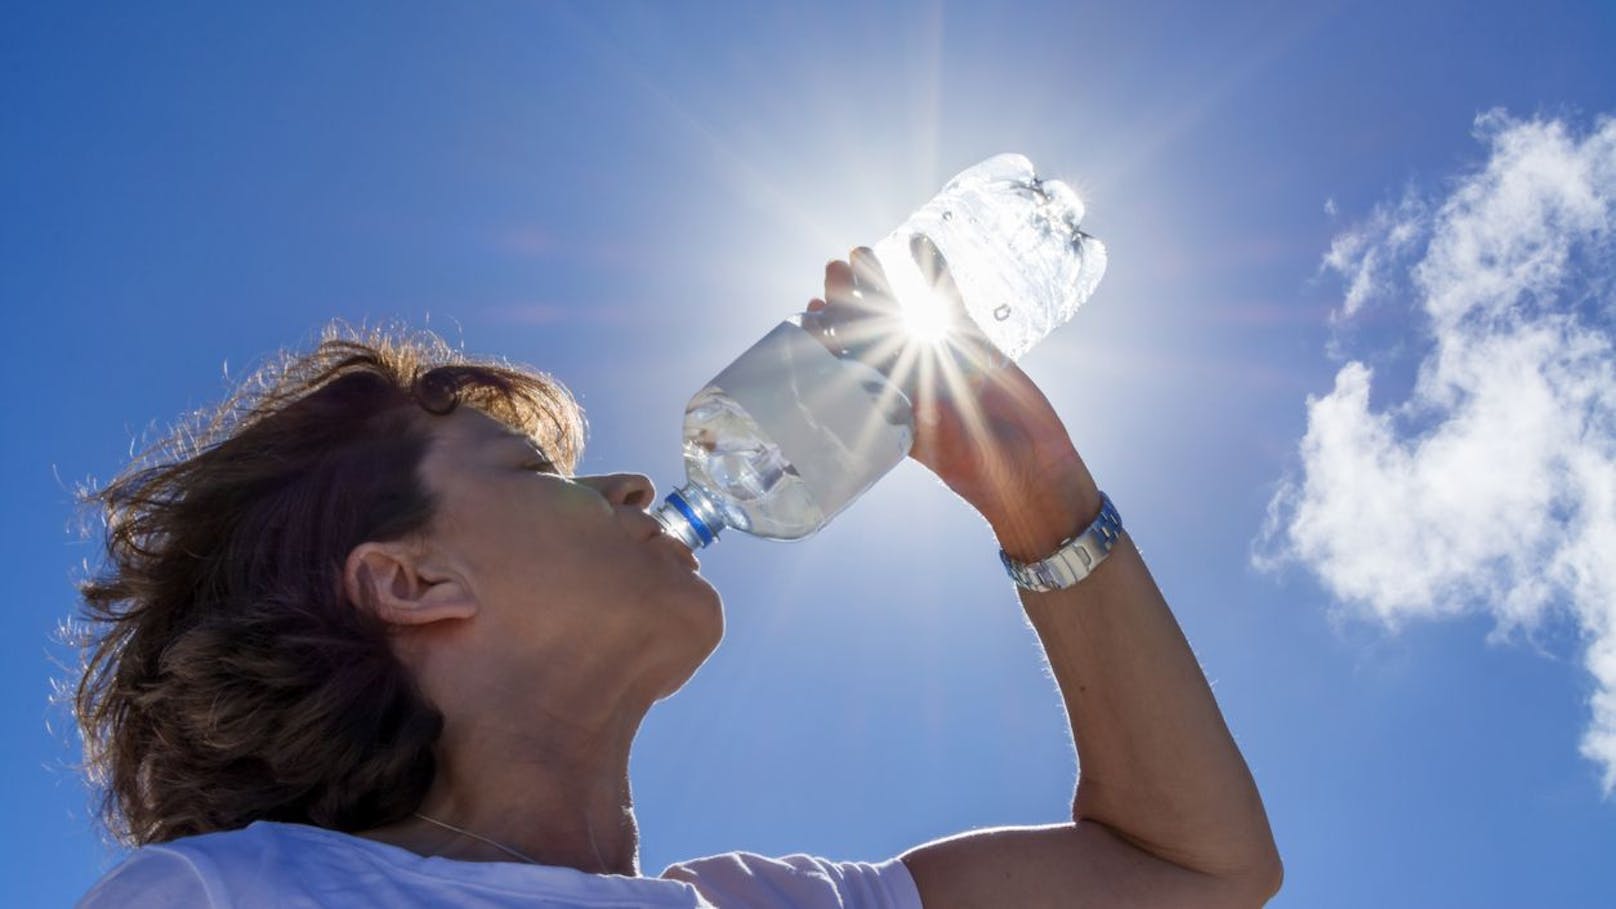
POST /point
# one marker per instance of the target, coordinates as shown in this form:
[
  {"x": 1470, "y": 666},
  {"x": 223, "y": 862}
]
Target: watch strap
[{"x": 1074, "y": 559}]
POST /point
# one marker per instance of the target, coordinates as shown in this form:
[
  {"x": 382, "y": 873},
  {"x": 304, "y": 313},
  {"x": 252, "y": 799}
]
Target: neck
[{"x": 561, "y": 800}]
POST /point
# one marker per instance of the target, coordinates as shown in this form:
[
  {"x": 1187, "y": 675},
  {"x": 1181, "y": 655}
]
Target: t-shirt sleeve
[
  {"x": 150, "y": 878},
  {"x": 798, "y": 882}
]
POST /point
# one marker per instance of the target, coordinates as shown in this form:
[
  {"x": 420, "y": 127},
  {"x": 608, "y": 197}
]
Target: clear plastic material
[
  {"x": 1013, "y": 243},
  {"x": 790, "y": 433}
]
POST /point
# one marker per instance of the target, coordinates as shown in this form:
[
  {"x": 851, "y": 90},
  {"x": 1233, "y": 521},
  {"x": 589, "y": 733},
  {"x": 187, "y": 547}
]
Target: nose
[{"x": 632, "y": 489}]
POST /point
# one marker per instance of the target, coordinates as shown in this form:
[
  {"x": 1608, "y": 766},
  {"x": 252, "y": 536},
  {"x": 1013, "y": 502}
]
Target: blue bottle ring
[{"x": 702, "y": 530}]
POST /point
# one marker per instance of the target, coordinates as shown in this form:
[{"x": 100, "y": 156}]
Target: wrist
[{"x": 1032, "y": 529}]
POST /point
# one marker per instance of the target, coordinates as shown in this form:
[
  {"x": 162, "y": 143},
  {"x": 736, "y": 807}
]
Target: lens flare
[
  {"x": 928, "y": 315},
  {"x": 926, "y": 318}
]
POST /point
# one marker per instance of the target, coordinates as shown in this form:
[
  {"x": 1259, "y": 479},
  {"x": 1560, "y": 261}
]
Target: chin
[
  {"x": 704, "y": 636},
  {"x": 713, "y": 625},
  {"x": 707, "y": 608}
]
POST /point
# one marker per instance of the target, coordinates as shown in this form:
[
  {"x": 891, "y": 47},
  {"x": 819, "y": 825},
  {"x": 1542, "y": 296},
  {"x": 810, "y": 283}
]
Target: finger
[
  {"x": 934, "y": 268},
  {"x": 856, "y": 301},
  {"x": 816, "y": 304},
  {"x": 839, "y": 286},
  {"x": 868, "y": 276},
  {"x": 971, "y": 348},
  {"x": 928, "y": 257}
]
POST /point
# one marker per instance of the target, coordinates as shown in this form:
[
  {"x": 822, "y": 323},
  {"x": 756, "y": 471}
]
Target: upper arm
[
  {"x": 1065, "y": 865},
  {"x": 797, "y": 880}
]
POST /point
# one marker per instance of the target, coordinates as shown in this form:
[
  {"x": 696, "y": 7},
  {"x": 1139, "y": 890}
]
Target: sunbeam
[{"x": 927, "y": 317}]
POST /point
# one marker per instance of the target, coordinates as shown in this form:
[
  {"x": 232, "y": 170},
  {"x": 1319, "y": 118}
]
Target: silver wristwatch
[{"x": 1075, "y": 558}]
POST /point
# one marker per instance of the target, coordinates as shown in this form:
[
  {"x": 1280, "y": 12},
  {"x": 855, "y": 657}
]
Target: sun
[
  {"x": 927, "y": 314},
  {"x": 926, "y": 318}
]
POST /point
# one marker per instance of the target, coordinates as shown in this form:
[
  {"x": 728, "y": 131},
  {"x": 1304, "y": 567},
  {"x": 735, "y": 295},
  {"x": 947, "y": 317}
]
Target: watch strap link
[{"x": 1074, "y": 559}]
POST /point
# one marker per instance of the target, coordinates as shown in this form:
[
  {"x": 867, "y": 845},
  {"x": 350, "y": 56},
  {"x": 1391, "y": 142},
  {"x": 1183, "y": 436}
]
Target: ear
[{"x": 401, "y": 588}]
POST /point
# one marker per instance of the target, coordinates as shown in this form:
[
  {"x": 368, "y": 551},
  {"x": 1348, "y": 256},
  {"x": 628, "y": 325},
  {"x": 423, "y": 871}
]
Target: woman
[{"x": 364, "y": 639}]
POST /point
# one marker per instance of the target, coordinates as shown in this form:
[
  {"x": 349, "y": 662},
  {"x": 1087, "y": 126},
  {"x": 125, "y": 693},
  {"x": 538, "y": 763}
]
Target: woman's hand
[{"x": 981, "y": 425}]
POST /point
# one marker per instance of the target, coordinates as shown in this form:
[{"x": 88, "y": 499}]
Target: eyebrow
[{"x": 530, "y": 446}]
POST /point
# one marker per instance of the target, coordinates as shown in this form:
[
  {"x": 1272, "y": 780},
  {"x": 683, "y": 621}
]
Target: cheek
[
  {"x": 497, "y": 536},
  {"x": 537, "y": 540}
]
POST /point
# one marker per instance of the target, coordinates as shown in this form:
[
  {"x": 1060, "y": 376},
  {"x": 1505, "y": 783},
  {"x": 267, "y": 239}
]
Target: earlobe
[{"x": 388, "y": 580}]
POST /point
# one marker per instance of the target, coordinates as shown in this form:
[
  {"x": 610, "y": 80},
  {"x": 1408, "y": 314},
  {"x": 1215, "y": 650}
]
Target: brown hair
[{"x": 227, "y": 677}]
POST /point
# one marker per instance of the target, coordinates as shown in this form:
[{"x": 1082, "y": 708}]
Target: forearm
[{"x": 1158, "y": 765}]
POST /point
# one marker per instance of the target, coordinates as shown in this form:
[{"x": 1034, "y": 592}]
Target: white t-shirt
[{"x": 291, "y": 866}]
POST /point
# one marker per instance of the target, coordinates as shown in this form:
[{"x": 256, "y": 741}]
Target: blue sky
[{"x": 629, "y": 194}]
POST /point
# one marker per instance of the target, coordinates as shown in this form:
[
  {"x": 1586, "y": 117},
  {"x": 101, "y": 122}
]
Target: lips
[
  {"x": 673, "y": 541},
  {"x": 695, "y": 563}
]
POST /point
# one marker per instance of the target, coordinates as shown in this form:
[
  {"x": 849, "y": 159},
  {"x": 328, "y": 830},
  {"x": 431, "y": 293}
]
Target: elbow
[
  {"x": 1250, "y": 887},
  {"x": 1256, "y": 882},
  {"x": 1263, "y": 871},
  {"x": 1276, "y": 878},
  {"x": 1265, "y": 879}
]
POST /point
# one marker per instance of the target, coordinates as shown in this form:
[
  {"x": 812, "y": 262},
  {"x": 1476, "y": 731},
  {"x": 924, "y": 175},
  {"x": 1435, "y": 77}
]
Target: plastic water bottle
[{"x": 791, "y": 433}]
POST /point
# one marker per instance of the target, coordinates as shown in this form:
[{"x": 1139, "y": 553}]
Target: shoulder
[
  {"x": 269, "y": 865},
  {"x": 150, "y": 877},
  {"x": 798, "y": 880},
  {"x": 214, "y": 869}
]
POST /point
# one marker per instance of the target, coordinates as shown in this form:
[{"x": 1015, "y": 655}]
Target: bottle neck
[{"x": 690, "y": 515}]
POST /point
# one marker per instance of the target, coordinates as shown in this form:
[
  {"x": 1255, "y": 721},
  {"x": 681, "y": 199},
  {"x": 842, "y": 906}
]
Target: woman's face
[{"x": 573, "y": 572}]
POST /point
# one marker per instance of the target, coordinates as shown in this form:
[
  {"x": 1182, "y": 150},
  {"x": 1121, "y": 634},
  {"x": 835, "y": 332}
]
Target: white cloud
[
  {"x": 1367, "y": 254},
  {"x": 1492, "y": 488}
]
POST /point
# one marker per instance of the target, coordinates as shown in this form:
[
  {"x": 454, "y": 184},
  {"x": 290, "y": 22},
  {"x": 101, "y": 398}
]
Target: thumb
[{"x": 970, "y": 348}]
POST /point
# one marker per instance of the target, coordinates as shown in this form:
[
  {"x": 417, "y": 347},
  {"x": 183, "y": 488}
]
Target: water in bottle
[{"x": 791, "y": 433}]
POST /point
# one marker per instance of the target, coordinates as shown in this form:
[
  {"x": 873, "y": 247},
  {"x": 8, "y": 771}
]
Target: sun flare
[
  {"x": 926, "y": 318},
  {"x": 927, "y": 313}
]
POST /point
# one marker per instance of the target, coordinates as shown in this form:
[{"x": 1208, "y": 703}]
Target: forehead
[{"x": 467, "y": 432}]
